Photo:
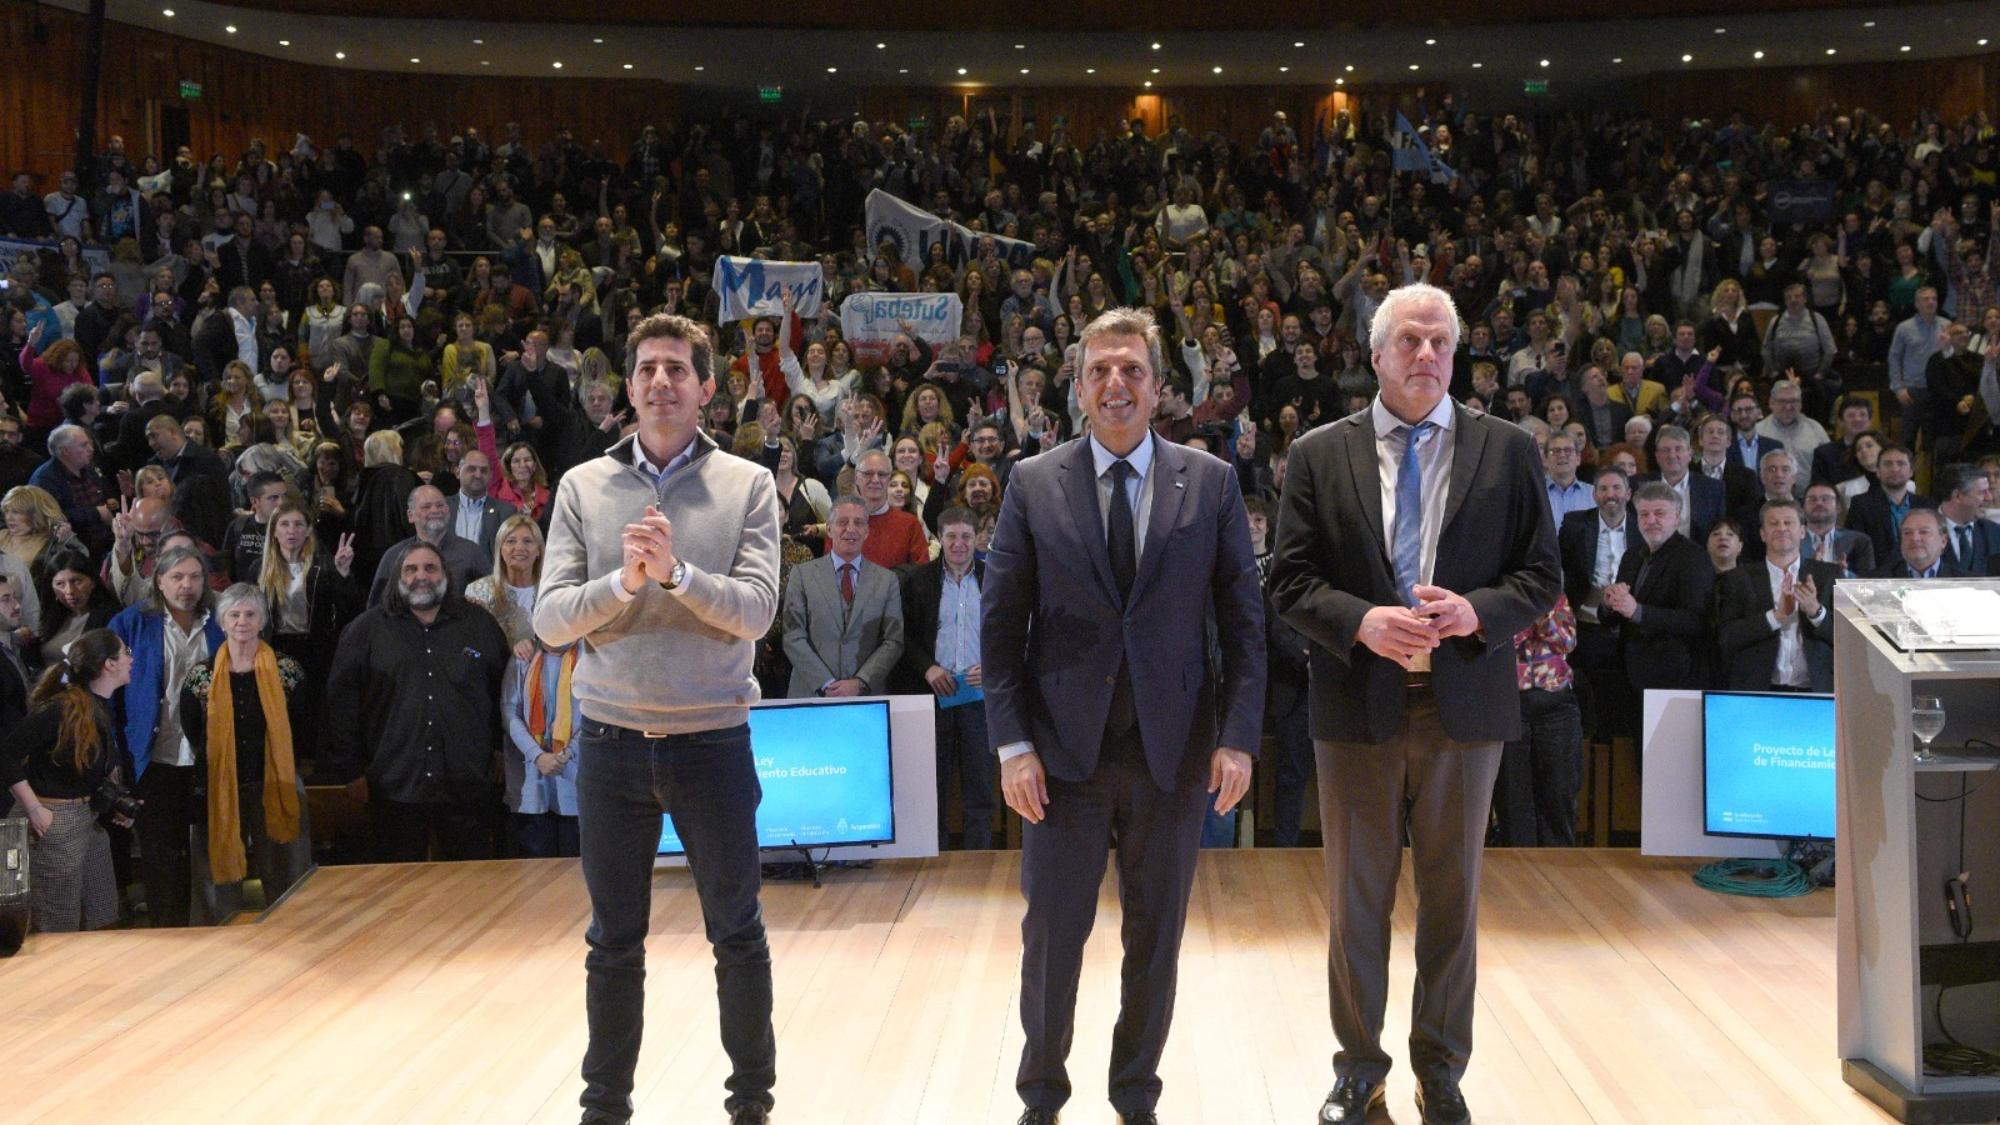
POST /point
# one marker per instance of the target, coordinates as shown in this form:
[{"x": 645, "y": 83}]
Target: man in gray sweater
[{"x": 663, "y": 558}]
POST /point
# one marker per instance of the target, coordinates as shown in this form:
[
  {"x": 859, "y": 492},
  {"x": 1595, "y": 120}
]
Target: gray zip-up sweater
[{"x": 671, "y": 662}]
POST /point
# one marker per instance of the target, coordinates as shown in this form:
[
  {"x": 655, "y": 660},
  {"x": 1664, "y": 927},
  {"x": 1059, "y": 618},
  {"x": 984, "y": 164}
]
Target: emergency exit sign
[
  {"x": 770, "y": 93},
  {"x": 190, "y": 90}
]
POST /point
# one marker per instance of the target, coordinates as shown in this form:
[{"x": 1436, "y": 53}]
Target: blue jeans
[{"x": 708, "y": 781}]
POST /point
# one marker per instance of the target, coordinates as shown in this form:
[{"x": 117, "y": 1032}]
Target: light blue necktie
[{"x": 1408, "y": 535}]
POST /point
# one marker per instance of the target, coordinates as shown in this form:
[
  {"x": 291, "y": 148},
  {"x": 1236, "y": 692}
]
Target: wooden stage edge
[{"x": 1612, "y": 989}]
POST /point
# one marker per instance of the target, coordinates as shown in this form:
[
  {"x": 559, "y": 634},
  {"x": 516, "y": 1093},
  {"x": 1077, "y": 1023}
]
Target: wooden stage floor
[{"x": 1611, "y": 990}]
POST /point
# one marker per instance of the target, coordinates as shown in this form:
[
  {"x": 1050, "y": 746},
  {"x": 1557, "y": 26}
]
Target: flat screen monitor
[
  {"x": 826, "y": 773},
  {"x": 1767, "y": 765}
]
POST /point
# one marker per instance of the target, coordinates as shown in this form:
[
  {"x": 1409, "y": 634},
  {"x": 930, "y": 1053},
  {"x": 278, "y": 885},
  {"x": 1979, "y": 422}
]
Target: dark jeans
[
  {"x": 547, "y": 835},
  {"x": 708, "y": 782},
  {"x": 1295, "y": 769},
  {"x": 962, "y": 750},
  {"x": 403, "y": 830},
  {"x": 1540, "y": 772},
  {"x": 165, "y": 855}
]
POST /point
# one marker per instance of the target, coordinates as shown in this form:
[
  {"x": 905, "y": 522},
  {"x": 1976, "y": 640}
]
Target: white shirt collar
[
  {"x": 645, "y": 462},
  {"x": 1141, "y": 457},
  {"x": 1442, "y": 416}
]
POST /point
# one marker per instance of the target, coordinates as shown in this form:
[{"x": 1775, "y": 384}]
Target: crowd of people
[{"x": 282, "y": 430}]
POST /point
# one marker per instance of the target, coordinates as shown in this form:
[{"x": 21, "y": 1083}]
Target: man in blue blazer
[
  {"x": 169, "y": 634},
  {"x": 1971, "y": 541},
  {"x": 1112, "y": 555}
]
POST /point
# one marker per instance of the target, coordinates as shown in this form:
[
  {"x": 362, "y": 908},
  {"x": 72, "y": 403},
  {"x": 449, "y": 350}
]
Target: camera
[{"x": 113, "y": 801}]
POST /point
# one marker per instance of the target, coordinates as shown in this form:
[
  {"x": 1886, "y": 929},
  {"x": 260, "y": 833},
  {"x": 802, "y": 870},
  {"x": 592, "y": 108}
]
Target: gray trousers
[{"x": 1370, "y": 794}]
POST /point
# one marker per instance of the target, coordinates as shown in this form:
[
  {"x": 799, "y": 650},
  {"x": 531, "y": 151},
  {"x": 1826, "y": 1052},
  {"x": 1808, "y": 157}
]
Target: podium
[{"x": 1914, "y": 975}]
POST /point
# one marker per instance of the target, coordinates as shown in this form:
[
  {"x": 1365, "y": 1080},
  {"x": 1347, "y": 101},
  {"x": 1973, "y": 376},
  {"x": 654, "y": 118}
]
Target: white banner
[
  {"x": 913, "y": 231},
  {"x": 869, "y": 322},
  {"x": 754, "y": 287}
]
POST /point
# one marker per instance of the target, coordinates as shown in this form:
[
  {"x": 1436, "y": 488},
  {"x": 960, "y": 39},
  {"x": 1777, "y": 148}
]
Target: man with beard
[
  {"x": 413, "y": 713},
  {"x": 431, "y": 520}
]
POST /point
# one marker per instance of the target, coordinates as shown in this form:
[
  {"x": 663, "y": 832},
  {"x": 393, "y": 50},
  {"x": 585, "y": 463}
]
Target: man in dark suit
[
  {"x": 1778, "y": 477},
  {"x": 1603, "y": 420},
  {"x": 1414, "y": 542},
  {"x": 1712, "y": 460},
  {"x": 1592, "y": 543},
  {"x": 475, "y": 515},
  {"x": 1833, "y": 462},
  {"x": 941, "y": 607},
  {"x": 1109, "y": 558},
  {"x": 182, "y": 459},
  {"x": 1971, "y": 541},
  {"x": 1660, "y": 601},
  {"x": 1746, "y": 446},
  {"x": 1878, "y": 513},
  {"x": 1851, "y": 550},
  {"x": 1921, "y": 551},
  {"x": 1773, "y": 626},
  {"x": 1703, "y": 500}
]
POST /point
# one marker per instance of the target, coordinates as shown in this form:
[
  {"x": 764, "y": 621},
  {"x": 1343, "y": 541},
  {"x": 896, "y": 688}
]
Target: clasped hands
[
  {"x": 649, "y": 550},
  {"x": 1403, "y": 633}
]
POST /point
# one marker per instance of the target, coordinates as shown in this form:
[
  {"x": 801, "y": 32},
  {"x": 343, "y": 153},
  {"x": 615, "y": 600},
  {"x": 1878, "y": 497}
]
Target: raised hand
[{"x": 343, "y": 555}]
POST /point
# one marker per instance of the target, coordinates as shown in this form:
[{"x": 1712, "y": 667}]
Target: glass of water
[{"x": 1927, "y": 722}]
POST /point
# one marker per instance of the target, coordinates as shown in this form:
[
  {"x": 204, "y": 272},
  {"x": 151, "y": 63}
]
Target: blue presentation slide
[
  {"x": 1768, "y": 765},
  {"x": 826, "y": 773}
]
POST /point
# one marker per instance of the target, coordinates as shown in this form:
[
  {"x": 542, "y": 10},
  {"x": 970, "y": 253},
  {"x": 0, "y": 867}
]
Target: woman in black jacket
[
  {"x": 73, "y": 601},
  {"x": 311, "y": 596}
]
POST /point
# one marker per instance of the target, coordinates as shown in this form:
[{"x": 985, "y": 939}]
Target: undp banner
[
  {"x": 913, "y": 231},
  {"x": 870, "y": 321},
  {"x": 750, "y": 287},
  {"x": 1801, "y": 201}
]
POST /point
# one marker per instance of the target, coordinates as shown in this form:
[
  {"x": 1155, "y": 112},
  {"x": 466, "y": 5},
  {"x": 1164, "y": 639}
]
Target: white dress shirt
[
  {"x": 1434, "y": 458},
  {"x": 1791, "y": 669},
  {"x": 471, "y": 518}
]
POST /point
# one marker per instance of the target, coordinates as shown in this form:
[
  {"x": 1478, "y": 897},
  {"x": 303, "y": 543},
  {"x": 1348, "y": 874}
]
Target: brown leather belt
[{"x": 1419, "y": 681}]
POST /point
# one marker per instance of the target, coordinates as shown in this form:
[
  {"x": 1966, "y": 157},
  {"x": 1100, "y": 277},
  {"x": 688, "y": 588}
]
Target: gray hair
[
  {"x": 265, "y": 458},
  {"x": 1657, "y": 490},
  {"x": 242, "y": 593},
  {"x": 62, "y": 436},
  {"x": 169, "y": 559},
  {"x": 1125, "y": 321},
  {"x": 1781, "y": 451},
  {"x": 1412, "y": 294},
  {"x": 847, "y": 498},
  {"x": 1671, "y": 432}
]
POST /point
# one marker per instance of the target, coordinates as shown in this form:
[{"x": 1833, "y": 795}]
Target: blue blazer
[
  {"x": 1053, "y": 634},
  {"x": 138, "y": 702},
  {"x": 1985, "y": 548}
]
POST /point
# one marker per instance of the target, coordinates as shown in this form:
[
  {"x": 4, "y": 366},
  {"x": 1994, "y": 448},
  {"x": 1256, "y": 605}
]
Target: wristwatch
[{"x": 677, "y": 577}]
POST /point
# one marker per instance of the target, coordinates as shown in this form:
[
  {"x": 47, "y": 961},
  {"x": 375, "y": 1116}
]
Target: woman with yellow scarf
[{"x": 239, "y": 711}]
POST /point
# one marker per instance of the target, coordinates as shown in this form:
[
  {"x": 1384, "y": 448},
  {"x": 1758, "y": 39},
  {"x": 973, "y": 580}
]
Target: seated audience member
[
  {"x": 1879, "y": 512},
  {"x": 1921, "y": 552},
  {"x": 239, "y": 709},
  {"x": 941, "y": 655},
  {"x": 1660, "y": 601},
  {"x": 1534, "y": 795},
  {"x": 843, "y": 614},
  {"x": 413, "y": 713},
  {"x": 1971, "y": 541},
  {"x": 53, "y": 764},
  {"x": 1773, "y": 626},
  {"x": 1826, "y": 541}
]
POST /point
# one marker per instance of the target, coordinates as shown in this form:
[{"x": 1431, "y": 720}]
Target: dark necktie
[
  {"x": 847, "y": 584},
  {"x": 1120, "y": 538},
  {"x": 1965, "y": 546}
]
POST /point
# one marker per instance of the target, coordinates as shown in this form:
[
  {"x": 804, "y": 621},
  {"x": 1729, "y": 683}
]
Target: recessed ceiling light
[
  {"x": 1340, "y": 81},
  {"x": 1020, "y": 46},
  {"x": 1687, "y": 58},
  {"x": 1218, "y": 70},
  {"x": 340, "y": 54},
  {"x": 284, "y": 42},
  {"x": 961, "y": 70},
  {"x": 1350, "y": 68},
  {"x": 479, "y": 42},
  {"x": 903, "y": 70},
  {"x": 881, "y": 46},
  {"x": 1283, "y": 69},
  {"x": 1615, "y": 60},
  {"x": 1090, "y": 70},
  {"x": 1298, "y": 43},
  {"x": 1982, "y": 42},
  {"x": 628, "y": 66},
  {"x": 1156, "y": 70},
  {"x": 485, "y": 62},
  {"x": 415, "y": 59},
  {"x": 1430, "y": 42},
  {"x": 1722, "y": 31},
  {"x": 557, "y": 64},
  {"x": 167, "y": 12},
  {"x": 1024, "y": 70},
  {"x": 229, "y": 28},
  {"x": 1413, "y": 66},
  {"x": 1545, "y": 62},
  {"x": 1149, "y": 83},
  {"x": 597, "y": 40},
  {"x": 833, "y": 70},
  {"x": 1756, "y": 54},
  {"x": 1905, "y": 47},
  {"x": 1868, "y": 23},
  {"x": 1477, "y": 65},
  {"x": 1156, "y": 46},
  {"x": 1831, "y": 51}
]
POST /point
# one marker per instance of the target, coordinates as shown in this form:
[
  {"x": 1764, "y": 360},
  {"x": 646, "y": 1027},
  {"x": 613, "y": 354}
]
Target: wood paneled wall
[
  {"x": 246, "y": 95},
  {"x": 1893, "y": 92}
]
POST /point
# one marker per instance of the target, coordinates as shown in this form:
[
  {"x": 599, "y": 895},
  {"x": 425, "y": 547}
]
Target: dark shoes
[
  {"x": 1039, "y": 1117},
  {"x": 1351, "y": 1101},
  {"x": 752, "y": 1114},
  {"x": 1143, "y": 1117},
  {"x": 1441, "y": 1104}
]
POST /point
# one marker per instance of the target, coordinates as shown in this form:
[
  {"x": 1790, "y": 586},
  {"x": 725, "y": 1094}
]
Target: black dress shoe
[
  {"x": 1440, "y": 1103},
  {"x": 752, "y": 1114},
  {"x": 1143, "y": 1117},
  {"x": 1351, "y": 1101},
  {"x": 1039, "y": 1117}
]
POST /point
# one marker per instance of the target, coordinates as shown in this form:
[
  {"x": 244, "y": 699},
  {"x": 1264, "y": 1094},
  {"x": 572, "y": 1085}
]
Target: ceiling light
[
  {"x": 597, "y": 40},
  {"x": 1430, "y": 42},
  {"x": 1149, "y": 83},
  {"x": 1477, "y": 65},
  {"x": 1024, "y": 70},
  {"x": 903, "y": 70},
  {"x": 284, "y": 42},
  {"x": 1545, "y": 62},
  {"x": 1413, "y": 66},
  {"x": 1831, "y": 51},
  {"x": 1020, "y": 46},
  {"x": 1283, "y": 69},
  {"x": 1298, "y": 43},
  {"x": 415, "y": 59},
  {"x": 1868, "y": 23},
  {"x": 167, "y": 12},
  {"x": 1722, "y": 31},
  {"x": 485, "y": 62},
  {"x": 1090, "y": 70},
  {"x": 1616, "y": 60},
  {"x": 1905, "y": 47},
  {"x": 881, "y": 46},
  {"x": 1340, "y": 81},
  {"x": 479, "y": 42},
  {"x": 340, "y": 54},
  {"x": 1756, "y": 54},
  {"x": 1218, "y": 70},
  {"x": 1350, "y": 68},
  {"x": 628, "y": 66},
  {"x": 230, "y": 28},
  {"x": 557, "y": 64},
  {"x": 833, "y": 70},
  {"x": 1156, "y": 70},
  {"x": 961, "y": 70},
  {"x": 1156, "y": 46},
  {"x": 1687, "y": 58}
]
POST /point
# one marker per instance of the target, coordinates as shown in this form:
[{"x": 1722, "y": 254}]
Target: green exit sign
[
  {"x": 1534, "y": 85},
  {"x": 770, "y": 93},
  {"x": 190, "y": 90}
]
